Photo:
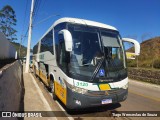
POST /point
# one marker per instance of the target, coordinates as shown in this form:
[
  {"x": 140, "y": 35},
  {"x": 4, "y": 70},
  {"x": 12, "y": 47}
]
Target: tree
[{"x": 7, "y": 22}]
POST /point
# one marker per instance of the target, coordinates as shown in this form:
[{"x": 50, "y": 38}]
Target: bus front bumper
[{"x": 76, "y": 100}]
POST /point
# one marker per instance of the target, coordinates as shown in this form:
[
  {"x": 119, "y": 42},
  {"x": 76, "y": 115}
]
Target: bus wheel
[
  {"x": 52, "y": 89},
  {"x": 35, "y": 71}
]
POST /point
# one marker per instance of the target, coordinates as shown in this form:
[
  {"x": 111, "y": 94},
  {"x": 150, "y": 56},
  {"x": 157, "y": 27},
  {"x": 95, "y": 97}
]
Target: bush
[
  {"x": 156, "y": 63},
  {"x": 131, "y": 63}
]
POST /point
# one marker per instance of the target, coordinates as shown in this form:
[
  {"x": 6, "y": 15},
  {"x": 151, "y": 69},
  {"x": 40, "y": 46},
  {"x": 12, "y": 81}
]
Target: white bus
[{"x": 83, "y": 63}]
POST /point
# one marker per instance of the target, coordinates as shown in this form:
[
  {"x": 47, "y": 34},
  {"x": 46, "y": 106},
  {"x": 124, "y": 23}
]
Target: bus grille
[{"x": 104, "y": 93}]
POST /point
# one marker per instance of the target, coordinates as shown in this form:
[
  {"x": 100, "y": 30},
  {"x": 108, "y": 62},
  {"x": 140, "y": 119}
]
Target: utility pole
[
  {"x": 29, "y": 38},
  {"x": 20, "y": 47}
]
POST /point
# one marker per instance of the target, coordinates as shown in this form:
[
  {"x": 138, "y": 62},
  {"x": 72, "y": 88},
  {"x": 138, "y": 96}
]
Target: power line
[
  {"x": 26, "y": 32},
  {"x": 21, "y": 39},
  {"x": 36, "y": 9},
  {"x": 25, "y": 16},
  {"x": 46, "y": 19},
  {"x": 44, "y": 1}
]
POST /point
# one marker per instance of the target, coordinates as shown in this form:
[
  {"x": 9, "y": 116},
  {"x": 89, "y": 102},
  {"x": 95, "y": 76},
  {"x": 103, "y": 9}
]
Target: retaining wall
[
  {"x": 11, "y": 87},
  {"x": 152, "y": 76}
]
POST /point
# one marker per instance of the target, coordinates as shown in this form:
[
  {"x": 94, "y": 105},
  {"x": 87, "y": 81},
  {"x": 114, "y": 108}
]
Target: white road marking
[
  {"x": 42, "y": 97},
  {"x": 70, "y": 118},
  {"x": 60, "y": 106},
  {"x": 145, "y": 84}
]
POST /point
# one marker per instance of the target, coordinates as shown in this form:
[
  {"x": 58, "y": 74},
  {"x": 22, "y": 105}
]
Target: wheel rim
[
  {"x": 34, "y": 70},
  {"x": 52, "y": 86}
]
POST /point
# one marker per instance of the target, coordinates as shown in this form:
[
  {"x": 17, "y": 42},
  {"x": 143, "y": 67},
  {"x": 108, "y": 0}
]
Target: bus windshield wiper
[{"x": 97, "y": 69}]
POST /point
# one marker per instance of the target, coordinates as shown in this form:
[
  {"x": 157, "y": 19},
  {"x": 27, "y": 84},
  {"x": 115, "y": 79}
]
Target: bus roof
[
  {"x": 83, "y": 22},
  {"x": 79, "y": 21}
]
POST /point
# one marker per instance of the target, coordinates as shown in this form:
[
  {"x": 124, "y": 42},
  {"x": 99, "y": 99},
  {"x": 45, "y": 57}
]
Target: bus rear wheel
[
  {"x": 52, "y": 89},
  {"x": 34, "y": 70}
]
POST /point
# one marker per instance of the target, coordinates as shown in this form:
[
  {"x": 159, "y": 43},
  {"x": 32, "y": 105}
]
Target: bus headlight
[
  {"x": 79, "y": 90},
  {"x": 76, "y": 89},
  {"x": 125, "y": 86}
]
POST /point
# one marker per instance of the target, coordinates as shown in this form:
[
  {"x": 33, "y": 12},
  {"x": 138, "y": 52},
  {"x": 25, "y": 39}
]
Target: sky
[{"x": 138, "y": 19}]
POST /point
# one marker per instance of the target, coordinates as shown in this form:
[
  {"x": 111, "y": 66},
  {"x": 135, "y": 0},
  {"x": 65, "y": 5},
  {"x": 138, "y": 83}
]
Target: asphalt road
[{"x": 142, "y": 97}]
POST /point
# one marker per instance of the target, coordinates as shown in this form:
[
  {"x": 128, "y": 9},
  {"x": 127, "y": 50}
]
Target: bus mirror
[
  {"x": 136, "y": 45},
  {"x": 67, "y": 38}
]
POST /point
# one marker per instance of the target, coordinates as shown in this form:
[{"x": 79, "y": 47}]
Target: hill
[
  {"x": 149, "y": 56},
  {"x": 23, "y": 50}
]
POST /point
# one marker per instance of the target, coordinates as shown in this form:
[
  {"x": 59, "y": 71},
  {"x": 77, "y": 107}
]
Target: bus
[{"x": 83, "y": 63}]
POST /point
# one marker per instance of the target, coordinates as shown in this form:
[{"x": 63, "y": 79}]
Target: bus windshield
[{"x": 97, "y": 55}]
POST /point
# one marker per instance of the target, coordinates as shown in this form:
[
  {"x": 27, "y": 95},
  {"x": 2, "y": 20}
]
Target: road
[{"x": 141, "y": 97}]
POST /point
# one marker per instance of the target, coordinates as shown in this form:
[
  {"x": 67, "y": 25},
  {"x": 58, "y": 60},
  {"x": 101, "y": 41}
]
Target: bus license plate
[{"x": 106, "y": 101}]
